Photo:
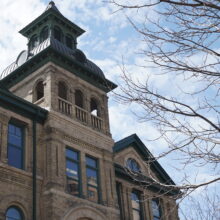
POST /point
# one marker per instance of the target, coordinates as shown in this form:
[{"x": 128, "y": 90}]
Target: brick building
[{"x": 58, "y": 160}]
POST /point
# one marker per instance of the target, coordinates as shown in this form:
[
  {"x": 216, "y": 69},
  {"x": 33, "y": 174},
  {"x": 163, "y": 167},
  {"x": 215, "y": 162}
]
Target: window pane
[
  {"x": 11, "y": 129},
  {"x": 18, "y": 131},
  {"x": 15, "y": 157},
  {"x": 72, "y": 154},
  {"x": 91, "y": 162},
  {"x": 133, "y": 165},
  {"x": 57, "y": 34},
  {"x": 73, "y": 186},
  {"x": 135, "y": 201},
  {"x": 44, "y": 34},
  {"x": 135, "y": 204},
  {"x": 155, "y": 209},
  {"x": 72, "y": 169},
  {"x": 91, "y": 177},
  {"x": 92, "y": 193},
  {"x": 13, "y": 214},
  {"x": 69, "y": 42},
  {"x": 136, "y": 215},
  {"x": 17, "y": 141}
]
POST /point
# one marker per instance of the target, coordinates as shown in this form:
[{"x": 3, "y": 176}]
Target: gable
[{"x": 134, "y": 142}]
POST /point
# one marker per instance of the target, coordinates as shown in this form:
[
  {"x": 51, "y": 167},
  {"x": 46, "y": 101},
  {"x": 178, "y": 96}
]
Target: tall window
[
  {"x": 156, "y": 209},
  {"x": 62, "y": 90},
  {"x": 33, "y": 42},
  {"x": 136, "y": 206},
  {"x": 15, "y": 146},
  {"x": 79, "y": 98},
  {"x": 39, "y": 90},
  {"x": 69, "y": 41},
  {"x": 58, "y": 33},
  {"x": 14, "y": 213},
  {"x": 44, "y": 34},
  {"x": 92, "y": 179},
  {"x": 72, "y": 172}
]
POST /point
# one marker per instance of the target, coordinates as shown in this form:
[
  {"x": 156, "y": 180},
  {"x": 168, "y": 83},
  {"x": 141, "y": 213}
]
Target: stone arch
[
  {"x": 133, "y": 154},
  {"x": 15, "y": 201},
  {"x": 84, "y": 213},
  {"x": 95, "y": 104},
  {"x": 79, "y": 98},
  {"x": 65, "y": 82}
]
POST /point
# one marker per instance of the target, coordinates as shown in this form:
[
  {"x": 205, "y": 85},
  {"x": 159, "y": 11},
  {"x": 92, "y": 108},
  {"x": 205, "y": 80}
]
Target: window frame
[
  {"x": 140, "y": 210},
  {"x": 158, "y": 202},
  {"x": 129, "y": 166},
  {"x": 31, "y": 44},
  {"x": 57, "y": 28},
  {"x": 69, "y": 37},
  {"x": 97, "y": 169},
  {"x": 78, "y": 162},
  {"x": 20, "y": 125},
  {"x": 42, "y": 32},
  {"x": 19, "y": 211}
]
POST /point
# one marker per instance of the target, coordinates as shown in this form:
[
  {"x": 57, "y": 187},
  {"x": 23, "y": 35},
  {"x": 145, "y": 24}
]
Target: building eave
[
  {"x": 50, "y": 54},
  {"x": 144, "y": 182},
  {"x": 135, "y": 142},
  {"x": 20, "y": 106}
]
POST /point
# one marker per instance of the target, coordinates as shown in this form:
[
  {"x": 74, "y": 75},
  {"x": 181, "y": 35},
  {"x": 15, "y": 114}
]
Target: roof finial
[{"x": 52, "y": 5}]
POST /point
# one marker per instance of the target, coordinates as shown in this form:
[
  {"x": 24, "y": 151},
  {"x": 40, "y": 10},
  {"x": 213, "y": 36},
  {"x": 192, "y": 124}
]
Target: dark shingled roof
[{"x": 75, "y": 54}]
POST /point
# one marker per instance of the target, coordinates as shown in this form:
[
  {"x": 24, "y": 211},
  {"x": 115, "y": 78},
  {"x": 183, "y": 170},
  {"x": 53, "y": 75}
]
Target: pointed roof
[
  {"x": 51, "y": 11},
  {"x": 52, "y": 5},
  {"x": 135, "y": 142}
]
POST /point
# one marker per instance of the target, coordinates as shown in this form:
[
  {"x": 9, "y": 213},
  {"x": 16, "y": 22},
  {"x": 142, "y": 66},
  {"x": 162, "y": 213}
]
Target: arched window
[
  {"x": 69, "y": 41},
  {"x": 94, "y": 107},
  {"x": 136, "y": 206},
  {"x": 57, "y": 33},
  {"x": 156, "y": 209},
  {"x": 39, "y": 90},
  {"x": 44, "y": 34},
  {"x": 14, "y": 213},
  {"x": 79, "y": 98},
  {"x": 133, "y": 165},
  {"x": 62, "y": 90},
  {"x": 33, "y": 42}
]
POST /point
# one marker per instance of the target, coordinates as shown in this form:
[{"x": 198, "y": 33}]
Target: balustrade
[
  {"x": 81, "y": 114},
  {"x": 65, "y": 107},
  {"x": 96, "y": 122}
]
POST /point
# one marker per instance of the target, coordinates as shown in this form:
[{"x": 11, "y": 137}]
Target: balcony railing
[
  {"x": 65, "y": 107},
  {"x": 96, "y": 122},
  {"x": 81, "y": 114}
]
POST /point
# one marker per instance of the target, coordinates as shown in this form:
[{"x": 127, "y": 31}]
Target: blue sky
[{"x": 109, "y": 40}]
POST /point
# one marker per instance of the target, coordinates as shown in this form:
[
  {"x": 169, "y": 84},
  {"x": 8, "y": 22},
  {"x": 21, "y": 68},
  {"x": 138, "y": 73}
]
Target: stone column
[{"x": 4, "y": 120}]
